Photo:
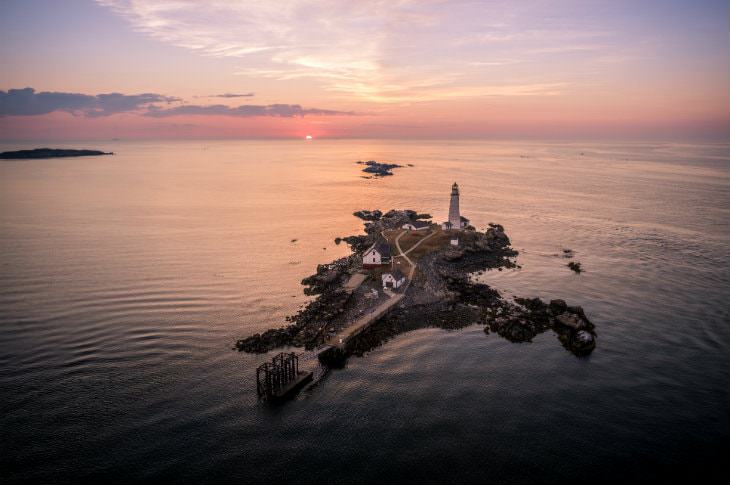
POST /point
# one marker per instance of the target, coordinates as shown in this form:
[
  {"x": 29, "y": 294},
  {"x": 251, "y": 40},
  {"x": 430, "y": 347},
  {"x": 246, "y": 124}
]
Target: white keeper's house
[
  {"x": 377, "y": 255},
  {"x": 394, "y": 279}
]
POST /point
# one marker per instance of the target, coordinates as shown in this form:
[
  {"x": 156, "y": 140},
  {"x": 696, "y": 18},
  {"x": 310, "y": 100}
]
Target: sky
[{"x": 568, "y": 69}]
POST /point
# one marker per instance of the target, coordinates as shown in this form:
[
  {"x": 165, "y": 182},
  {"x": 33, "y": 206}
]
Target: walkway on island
[
  {"x": 405, "y": 255},
  {"x": 364, "y": 321},
  {"x": 352, "y": 330}
]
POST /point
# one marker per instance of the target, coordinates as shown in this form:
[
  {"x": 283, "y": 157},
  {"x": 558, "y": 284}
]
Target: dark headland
[
  {"x": 50, "y": 153},
  {"x": 438, "y": 289}
]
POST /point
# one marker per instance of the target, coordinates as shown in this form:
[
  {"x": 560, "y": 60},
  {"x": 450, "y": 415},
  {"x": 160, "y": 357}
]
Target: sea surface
[{"x": 125, "y": 281}]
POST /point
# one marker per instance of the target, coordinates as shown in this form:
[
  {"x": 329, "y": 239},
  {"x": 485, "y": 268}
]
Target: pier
[{"x": 281, "y": 376}]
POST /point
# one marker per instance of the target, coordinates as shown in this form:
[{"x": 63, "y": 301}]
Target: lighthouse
[
  {"x": 456, "y": 220},
  {"x": 454, "y": 216}
]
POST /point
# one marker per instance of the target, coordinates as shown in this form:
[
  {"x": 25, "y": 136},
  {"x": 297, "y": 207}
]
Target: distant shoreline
[{"x": 39, "y": 153}]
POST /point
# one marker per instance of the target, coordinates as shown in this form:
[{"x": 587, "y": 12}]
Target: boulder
[
  {"x": 558, "y": 306},
  {"x": 582, "y": 343},
  {"x": 571, "y": 320}
]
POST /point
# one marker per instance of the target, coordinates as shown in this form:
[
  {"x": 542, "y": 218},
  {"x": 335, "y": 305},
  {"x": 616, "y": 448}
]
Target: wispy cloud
[
  {"x": 232, "y": 95},
  {"x": 28, "y": 102},
  {"x": 494, "y": 62},
  {"x": 245, "y": 111},
  {"x": 556, "y": 37},
  {"x": 374, "y": 50}
]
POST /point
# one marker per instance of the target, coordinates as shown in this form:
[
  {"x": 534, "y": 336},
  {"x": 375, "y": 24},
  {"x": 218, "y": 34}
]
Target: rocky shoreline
[{"x": 441, "y": 294}]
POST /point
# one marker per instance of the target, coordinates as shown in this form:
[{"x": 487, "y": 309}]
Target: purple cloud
[{"x": 28, "y": 102}]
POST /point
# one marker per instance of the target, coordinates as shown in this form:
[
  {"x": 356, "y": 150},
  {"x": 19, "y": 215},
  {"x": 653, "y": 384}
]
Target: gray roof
[{"x": 382, "y": 247}]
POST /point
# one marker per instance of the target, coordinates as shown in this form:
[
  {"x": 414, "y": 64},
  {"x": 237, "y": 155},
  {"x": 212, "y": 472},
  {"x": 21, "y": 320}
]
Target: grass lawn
[{"x": 409, "y": 239}]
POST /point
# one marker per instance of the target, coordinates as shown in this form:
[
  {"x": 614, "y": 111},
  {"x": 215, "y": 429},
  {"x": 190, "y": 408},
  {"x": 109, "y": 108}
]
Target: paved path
[
  {"x": 400, "y": 251},
  {"x": 405, "y": 255},
  {"x": 364, "y": 321},
  {"x": 417, "y": 244}
]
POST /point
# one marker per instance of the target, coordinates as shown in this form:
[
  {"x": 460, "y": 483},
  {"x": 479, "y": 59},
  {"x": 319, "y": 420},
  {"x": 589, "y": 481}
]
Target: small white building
[
  {"x": 455, "y": 241},
  {"x": 463, "y": 224},
  {"x": 394, "y": 280},
  {"x": 377, "y": 255},
  {"x": 416, "y": 225}
]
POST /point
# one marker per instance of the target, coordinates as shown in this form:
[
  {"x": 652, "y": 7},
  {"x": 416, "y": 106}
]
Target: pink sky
[{"x": 457, "y": 69}]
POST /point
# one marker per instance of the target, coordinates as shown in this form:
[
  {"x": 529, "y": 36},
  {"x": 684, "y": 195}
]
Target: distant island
[
  {"x": 50, "y": 153},
  {"x": 378, "y": 169}
]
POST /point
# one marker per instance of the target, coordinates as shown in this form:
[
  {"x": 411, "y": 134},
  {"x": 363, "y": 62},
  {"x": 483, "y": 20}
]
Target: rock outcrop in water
[
  {"x": 366, "y": 215},
  {"x": 378, "y": 169},
  {"x": 527, "y": 317},
  {"x": 50, "y": 153},
  {"x": 442, "y": 293},
  {"x": 575, "y": 267}
]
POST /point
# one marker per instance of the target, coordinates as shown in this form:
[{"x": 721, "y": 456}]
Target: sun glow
[{"x": 308, "y": 137}]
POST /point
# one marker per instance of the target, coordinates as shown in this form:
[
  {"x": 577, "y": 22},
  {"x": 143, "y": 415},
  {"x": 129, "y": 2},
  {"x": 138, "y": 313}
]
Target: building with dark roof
[
  {"x": 395, "y": 279},
  {"x": 377, "y": 255}
]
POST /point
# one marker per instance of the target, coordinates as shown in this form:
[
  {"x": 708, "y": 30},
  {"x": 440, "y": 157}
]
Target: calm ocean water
[{"x": 126, "y": 280}]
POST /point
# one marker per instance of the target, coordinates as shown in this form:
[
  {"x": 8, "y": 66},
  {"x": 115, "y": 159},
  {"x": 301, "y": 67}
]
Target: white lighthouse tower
[
  {"x": 454, "y": 215},
  {"x": 456, "y": 220}
]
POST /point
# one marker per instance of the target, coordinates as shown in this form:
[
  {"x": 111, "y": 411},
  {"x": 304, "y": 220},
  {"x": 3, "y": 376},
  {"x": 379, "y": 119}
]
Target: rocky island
[
  {"x": 378, "y": 169},
  {"x": 439, "y": 290},
  {"x": 37, "y": 153},
  {"x": 406, "y": 272}
]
